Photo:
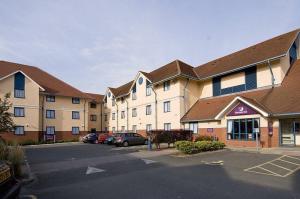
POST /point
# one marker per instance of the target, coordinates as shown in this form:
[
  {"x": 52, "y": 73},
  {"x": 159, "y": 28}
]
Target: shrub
[
  {"x": 3, "y": 151},
  {"x": 16, "y": 158},
  {"x": 204, "y": 138},
  {"x": 189, "y": 147},
  {"x": 29, "y": 142}
]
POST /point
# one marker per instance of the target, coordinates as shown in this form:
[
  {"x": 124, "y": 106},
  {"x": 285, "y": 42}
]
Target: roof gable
[
  {"x": 49, "y": 83},
  {"x": 272, "y": 48}
]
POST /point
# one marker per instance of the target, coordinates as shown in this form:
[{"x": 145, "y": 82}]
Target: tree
[{"x": 6, "y": 121}]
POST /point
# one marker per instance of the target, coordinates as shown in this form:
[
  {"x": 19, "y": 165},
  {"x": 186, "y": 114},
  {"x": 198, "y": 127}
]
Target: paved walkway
[{"x": 291, "y": 151}]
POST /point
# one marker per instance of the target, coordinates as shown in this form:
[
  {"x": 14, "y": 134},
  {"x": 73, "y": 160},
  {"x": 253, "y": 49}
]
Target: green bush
[
  {"x": 204, "y": 138},
  {"x": 29, "y": 142},
  {"x": 189, "y": 147},
  {"x": 3, "y": 151},
  {"x": 16, "y": 158}
]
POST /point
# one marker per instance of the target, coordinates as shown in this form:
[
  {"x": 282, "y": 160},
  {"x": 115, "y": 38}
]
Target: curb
[
  {"x": 31, "y": 177},
  {"x": 52, "y": 144}
]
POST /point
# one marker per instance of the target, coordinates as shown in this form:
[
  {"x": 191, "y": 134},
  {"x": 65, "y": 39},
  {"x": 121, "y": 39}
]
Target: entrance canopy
[{"x": 242, "y": 106}]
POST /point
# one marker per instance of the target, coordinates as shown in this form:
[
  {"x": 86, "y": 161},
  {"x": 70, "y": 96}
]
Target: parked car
[
  {"x": 9, "y": 185},
  {"x": 126, "y": 139},
  {"x": 111, "y": 138},
  {"x": 102, "y": 138},
  {"x": 90, "y": 138}
]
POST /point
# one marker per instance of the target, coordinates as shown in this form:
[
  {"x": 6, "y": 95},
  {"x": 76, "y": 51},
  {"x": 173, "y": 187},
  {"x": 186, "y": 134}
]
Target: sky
[{"x": 95, "y": 44}]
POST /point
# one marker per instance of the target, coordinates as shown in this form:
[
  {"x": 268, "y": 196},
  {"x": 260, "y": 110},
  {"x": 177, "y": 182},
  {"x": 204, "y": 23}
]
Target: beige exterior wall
[
  {"x": 206, "y": 89},
  {"x": 30, "y": 103},
  {"x": 233, "y": 80},
  {"x": 98, "y": 124},
  {"x": 63, "y": 107}
]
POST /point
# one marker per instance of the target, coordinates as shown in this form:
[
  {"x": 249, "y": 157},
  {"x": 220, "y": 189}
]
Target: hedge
[{"x": 189, "y": 147}]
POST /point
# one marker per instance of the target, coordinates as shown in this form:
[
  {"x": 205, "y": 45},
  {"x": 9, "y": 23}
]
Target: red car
[{"x": 102, "y": 137}]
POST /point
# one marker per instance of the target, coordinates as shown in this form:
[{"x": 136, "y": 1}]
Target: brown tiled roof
[
  {"x": 175, "y": 68},
  {"x": 283, "y": 99},
  {"x": 96, "y": 97},
  {"x": 121, "y": 90},
  {"x": 51, "y": 84},
  {"x": 271, "y": 48}
]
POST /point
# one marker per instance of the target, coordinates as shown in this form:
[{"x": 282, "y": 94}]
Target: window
[
  {"x": 148, "y": 110},
  {"x": 113, "y": 102},
  {"x": 19, "y": 85},
  {"x": 105, "y": 117},
  {"x": 19, "y": 112},
  {"x": 148, "y": 127},
  {"x": 193, "y": 126},
  {"x": 50, "y": 114},
  {"x": 167, "y": 106},
  {"x": 123, "y": 128},
  {"x": 50, "y": 130},
  {"x": 50, "y": 98},
  {"x": 105, "y": 129},
  {"x": 113, "y": 129},
  {"x": 93, "y": 130},
  {"x": 75, "y": 130},
  {"x": 93, "y": 105},
  {"x": 19, "y": 130},
  {"x": 243, "y": 129},
  {"x": 93, "y": 117},
  {"x": 122, "y": 114},
  {"x": 134, "y": 128},
  {"x": 134, "y": 92},
  {"x": 148, "y": 88},
  {"x": 293, "y": 53},
  {"x": 134, "y": 113},
  {"x": 75, "y": 100},
  {"x": 75, "y": 115},
  {"x": 113, "y": 116},
  {"x": 166, "y": 85},
  {"x": 140, "y": 80},
  {"x": 167, "y": 126}
]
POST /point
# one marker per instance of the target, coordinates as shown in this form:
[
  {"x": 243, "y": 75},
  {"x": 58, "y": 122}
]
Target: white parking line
[
  {"x": 273, "y": 173},
  {"x": 280, "y": 166}
]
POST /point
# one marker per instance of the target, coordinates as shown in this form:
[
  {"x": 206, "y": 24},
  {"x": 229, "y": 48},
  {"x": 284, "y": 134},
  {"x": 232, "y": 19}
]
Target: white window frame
[
  {"x": 167, "y": 85},
  {"x": 19, "y": 130},
  {"x": 192, "y": 126},
  {"x": 167, "y": 106},
  {"x": 167, "y": 126},
  {"x": 148, "y": 127},
  {"x": 134, "y": 112},
  {"x": 148, "y": 110},
  {"x": 113, "y": 116}
]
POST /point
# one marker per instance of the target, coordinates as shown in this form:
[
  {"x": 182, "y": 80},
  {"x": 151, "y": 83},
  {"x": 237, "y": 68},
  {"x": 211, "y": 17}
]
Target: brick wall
[
  {"x": 266, "y": 141},
  {"x": 28, "y": 136}
]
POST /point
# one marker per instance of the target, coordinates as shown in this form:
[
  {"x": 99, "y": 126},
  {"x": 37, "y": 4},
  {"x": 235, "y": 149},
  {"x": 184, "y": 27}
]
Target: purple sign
[
  {"x": 242, "y": 109},
  {"x": 210, "y": 130}
]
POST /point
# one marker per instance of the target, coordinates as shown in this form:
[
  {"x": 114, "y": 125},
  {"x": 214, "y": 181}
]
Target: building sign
[
  {"x": 49, "y": 137},
  {"x": 210, "y": 130},
  {"x": 242, "y": 109}
]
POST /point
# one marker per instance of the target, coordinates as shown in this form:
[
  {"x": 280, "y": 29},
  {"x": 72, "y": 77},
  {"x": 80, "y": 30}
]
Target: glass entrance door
[{"x": 287, "y": 132}]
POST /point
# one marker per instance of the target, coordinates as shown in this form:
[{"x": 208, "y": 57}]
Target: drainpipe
[
  {"x": 84, "y": 114},
  {"x": 155, "y": 106},
  {"x": 43, "y": 116},
  {"x": 117, "y": 114},
  {"x": 184, "y": 94},
  {"x": 127, "y": 119},
  {"x": 272, "y": 75},
  {"x": 101, "y": 116}
]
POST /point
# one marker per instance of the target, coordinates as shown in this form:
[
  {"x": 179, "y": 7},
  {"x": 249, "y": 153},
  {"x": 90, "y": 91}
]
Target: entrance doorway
[{"x": 290, "y": 132}]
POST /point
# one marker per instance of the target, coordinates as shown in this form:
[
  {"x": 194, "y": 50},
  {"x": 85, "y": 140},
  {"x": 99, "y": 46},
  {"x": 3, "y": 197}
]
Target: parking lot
[{"x": 101, "y": 171}]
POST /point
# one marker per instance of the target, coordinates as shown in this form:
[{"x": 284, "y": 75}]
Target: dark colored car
[
  {"x": 9, "y": 185},
  {"x": 90, "y": 138},
  {"x": 126, "y": 139}
]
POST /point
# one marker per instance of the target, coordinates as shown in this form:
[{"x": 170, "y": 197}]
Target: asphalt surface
[{"x": 61, "y": 172}]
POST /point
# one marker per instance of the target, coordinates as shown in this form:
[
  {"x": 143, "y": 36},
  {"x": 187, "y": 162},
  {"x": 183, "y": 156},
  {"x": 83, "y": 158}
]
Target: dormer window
[
  {"x": 19, "y": 85},
  {"x": 148, "y": 88},
  {"x": 134, "y": 92},
  {"x": 167, "y": 85},
  {"x": 140, "y": 81}
]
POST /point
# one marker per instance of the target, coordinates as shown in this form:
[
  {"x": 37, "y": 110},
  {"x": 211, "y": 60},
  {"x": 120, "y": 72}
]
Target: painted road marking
[
  {"x": 279, "y": 167},
  {"x": 91, "y": 170},
  {"x": 147, "y": 161},
  {"x": 220, "y": 162}
]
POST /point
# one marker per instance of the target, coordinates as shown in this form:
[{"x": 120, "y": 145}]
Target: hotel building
[{"x": 248, "y": 98}]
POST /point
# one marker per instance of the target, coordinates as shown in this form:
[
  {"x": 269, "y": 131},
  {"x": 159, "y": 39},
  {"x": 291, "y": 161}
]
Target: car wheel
[{"x": 125, "y": 144}]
